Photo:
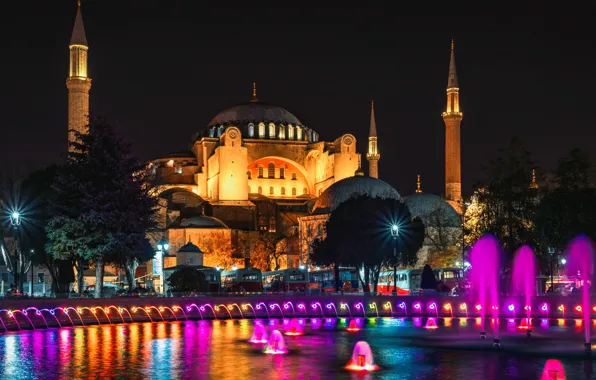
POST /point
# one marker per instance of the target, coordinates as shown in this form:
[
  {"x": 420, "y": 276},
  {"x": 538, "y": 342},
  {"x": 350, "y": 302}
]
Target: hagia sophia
[{"x": 256, "y": 170}]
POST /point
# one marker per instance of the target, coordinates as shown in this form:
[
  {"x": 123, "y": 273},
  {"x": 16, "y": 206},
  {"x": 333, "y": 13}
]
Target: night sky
[{"x": 162, "y": 70}]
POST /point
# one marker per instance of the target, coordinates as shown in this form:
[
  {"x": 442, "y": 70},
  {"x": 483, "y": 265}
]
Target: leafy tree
[
  {"x": 443, "y": 232},
  {"x": 508, "y": 202},
  {"x": 218, "y": 251},
  {"x": 268, "y": 249},
  {"x": 187, "y": 279},
  {"x": 102, "y": 208},
  {"x": 358, "y": 234},
  {"x": 569, "y": 208}
]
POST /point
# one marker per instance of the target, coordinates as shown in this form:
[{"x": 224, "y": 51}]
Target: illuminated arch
[{"x": 264, "y": 161}]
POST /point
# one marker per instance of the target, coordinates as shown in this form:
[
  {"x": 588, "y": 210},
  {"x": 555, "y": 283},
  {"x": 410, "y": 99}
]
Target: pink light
[
  {"x": 416, "y": 305},
  {"x": 478, "y": 307},
  {"x": 402, "y": 305},
  {"x": 511, "y": 307},
  {"x": 544, "y": 307},
  {"x": 432, "y": 306},
  {"x": 578, "y": 308},
  {"x": 329, "y": 306},
  {"x": 300, "y": 306}
]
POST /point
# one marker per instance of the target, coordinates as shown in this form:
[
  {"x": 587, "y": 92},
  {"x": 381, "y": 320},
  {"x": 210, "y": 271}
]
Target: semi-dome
[
  {"x": 352, "y": 187},
  {"x": 189, "y": 248},
  {"x": 427, "y": 206},
  {"x": 202, "y": 221},
  {"x": 254, "y": 112}
]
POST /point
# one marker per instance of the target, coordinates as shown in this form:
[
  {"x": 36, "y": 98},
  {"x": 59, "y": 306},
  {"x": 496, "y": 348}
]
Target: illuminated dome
[
  {"x": 352, "y": 187},
  {"x": 254, "y": 112},
  {"x": 424, "y": 205},
  {"x": 257, "y": 120},
  {"x": 202, "y": 221}
]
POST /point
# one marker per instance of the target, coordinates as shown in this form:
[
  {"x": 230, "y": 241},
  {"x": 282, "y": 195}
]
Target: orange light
[
  {"x": 447, "y": 306},
  {"x": 463, "y": 306},
  {"x": 578, "y": 308}
]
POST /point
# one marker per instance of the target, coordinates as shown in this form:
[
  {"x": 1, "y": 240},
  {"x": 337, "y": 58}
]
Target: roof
[
  {"x": 202, "y": 221},
  {"x": 78, "y": 32},
  {"x": 433, "y": 210},
  {"x": 254, "y": 112},
  {"x": 189, "y": 248},
  {"x": 372, "y": 132},
  {"x": 352, "y": 187},
  {"x": 452, "y": 81}
]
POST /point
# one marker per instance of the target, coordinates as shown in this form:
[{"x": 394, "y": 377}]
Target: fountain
[
  {"x": 276, "y": 344},
  {"x": 352, "y": 326},
  {"x": 344, "y": 306},
  {"x": 431, "y": 324},
  {"x": 581, "y": 260},
  {"x": 330, "y": 306},
  {"x": 259, "y": 334},
  {"x": 524, "y": 282},
  {"x": 287, "y": 305},
  {"x": 294, "y": 328},
  {"x": 485, "y": 281},
  {"x": 553, "y": 370},
  {"x": 362, "y": 358}
]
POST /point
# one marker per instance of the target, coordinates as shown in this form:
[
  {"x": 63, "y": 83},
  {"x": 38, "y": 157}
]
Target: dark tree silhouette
[
  {"x": 427, "y": 279},
  {"x": 358, "y": 233},
  {"x": 187, "y": 279}
]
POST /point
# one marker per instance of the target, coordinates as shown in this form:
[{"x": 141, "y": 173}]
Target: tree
[
  {"x": 508, "y": 202},
  {"x": 218, "y": 250},
  {"x": 358, "y": 234},
  {"x": 187, "y": 279},
  {"x": 268, "y": 249},
  {"x": 443, "y": 232},
  {"x": 569, "y": 209},
  {"x": 326, "y": 253},
  {"x": 102, "y": 208},
  {"x": 427, "y": 278}
]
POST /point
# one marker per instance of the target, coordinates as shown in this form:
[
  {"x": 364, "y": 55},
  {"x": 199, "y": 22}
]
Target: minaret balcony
[{"x": 454, "y": 115}]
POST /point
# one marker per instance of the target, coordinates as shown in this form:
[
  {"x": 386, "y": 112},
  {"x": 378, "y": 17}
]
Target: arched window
[
  {"x": 282, "y": 173},
  {"x": 282, "y": 132},
  {"x": 299, "y": 133},
  {"x": 271, "y": 130},
  {"x": 305, "y": 191},
  {"x": 293, "y": 191},
  {"x": 271, "y": 192},
  {"x": 261, "y": 130},
  {"x": 271, "y": 170},
  {"x": 249, "y": 174},
  {"x": 220, "y": 130},
  {"x": 212, "y": 132},
  {"x": 283, "y": 191},
  {"x": 251, "y": 130},
  {"x": 260, "y": 171},
  {"x": 293, "y": 176},
  {"x": 290, "y": 132},
  {"x": 260, "y": 190}
]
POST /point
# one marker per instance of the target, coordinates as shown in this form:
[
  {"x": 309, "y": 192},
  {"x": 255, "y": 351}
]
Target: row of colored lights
[{"x": 448, "y": 307}]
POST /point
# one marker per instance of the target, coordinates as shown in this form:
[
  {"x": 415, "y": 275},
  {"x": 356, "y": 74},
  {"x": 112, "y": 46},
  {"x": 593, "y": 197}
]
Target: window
[
  {"x": 271, "y": 130},
  {"x": 305, "y": 191},
  {"x": 282, "y": 173},
  {"x": 178, "y": 169},
  {"x": 271, "y": 192},
  {"x": 293, "y": 191},
  {"x": 260, "y": 190},
  {"x": 293, "y": 176},
  {"x": 271, "y": 170},
  {"x": 283, "y": 191},
  {"x": 249, "y": 174},
  {"x": 282, "y": 132},
  {"x": 191, "y": 260},
  {"x": 220, "y": 130},
  {"x": 260, "y": 171},
  {"x": 251, "y": 130},
  {"x": 250, "y": 277},
  {"x": 297, "y": 277},
  {"x": 41, "y": 278},
  {"x": 290, "y": 132},
  {"x": 262, "y": 130},
  {"x": 298, "y": 133},
  {"x": 212, "y": 132}
]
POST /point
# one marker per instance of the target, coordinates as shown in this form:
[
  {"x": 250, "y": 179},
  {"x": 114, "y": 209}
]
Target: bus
[
  {"x": 325, "y": 278},
  {"x": 212, "y": 278},
  {"x": 286, "y": 280},
  {"x": 408, "y": 280},
  {"x": 243, "y": 279}
]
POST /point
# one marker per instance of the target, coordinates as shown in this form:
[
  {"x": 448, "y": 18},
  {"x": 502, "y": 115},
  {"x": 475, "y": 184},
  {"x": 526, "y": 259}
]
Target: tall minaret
[
  {"x": 373, "y": 155},
  {"x": 78, "y": 83},
  {"x": 452, "y": 117}
]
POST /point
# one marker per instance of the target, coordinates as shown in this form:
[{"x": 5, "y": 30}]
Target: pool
[{"x": 402, "y": 347}]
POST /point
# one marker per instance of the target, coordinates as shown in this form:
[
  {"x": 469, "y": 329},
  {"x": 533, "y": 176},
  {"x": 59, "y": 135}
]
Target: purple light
[
  {"x": 417, "y": 305},
  {"x": 329, "y": 306},
  {"x": 188, "y": 308},
  {"x": 202, "y": 308},
  {"x": 544, "y": 307},
  {"x": 272, "y": 306},
  {"x": 402, "y": 305},
  {"x": 357, "y": 306},
  {"x": 300, "y": 306},
  {"x": 286, "y": 306},
  {"x": 258, "y": 307},
  {"x": 433, "y": 306},
  {"x": 511, "y": 307},
  {"x": 314, "y": 305}
]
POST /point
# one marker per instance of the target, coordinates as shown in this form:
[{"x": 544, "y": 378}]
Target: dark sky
[{"x": 162, "y": 70}]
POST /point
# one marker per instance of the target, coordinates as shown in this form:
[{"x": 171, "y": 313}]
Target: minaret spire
[
  {"x": 418, "y": 188},
  {"x": 373, "y": 156},
  {"x": 78, "y": 83},
  {"x": 533, "y": 184},
  {"x": 254, "y": 93},
  {"x": 452, "y": 118}
]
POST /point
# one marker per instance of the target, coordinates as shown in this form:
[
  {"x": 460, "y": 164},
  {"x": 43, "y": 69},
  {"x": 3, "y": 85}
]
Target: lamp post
[
  {"x": 551, "y": 252},
  {"x": 464, "y": 206},
  {"x": 15, "y": 222},
  {"x": 394, "y": 233},
  {"x": 162, "y": 248}
]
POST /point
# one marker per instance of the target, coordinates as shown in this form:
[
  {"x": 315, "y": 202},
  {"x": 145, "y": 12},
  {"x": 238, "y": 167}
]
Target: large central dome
[
  {"x": 254, "y": 112},
  {"x": 352, "y": 187}
]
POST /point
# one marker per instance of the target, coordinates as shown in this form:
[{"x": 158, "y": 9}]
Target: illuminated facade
[{"x": 78, "y": 82}]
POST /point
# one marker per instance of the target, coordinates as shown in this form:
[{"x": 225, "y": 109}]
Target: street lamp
[
  {"x": 162, "y": 248},
  {"x": 394, "y": 233},
  {"x": 551, "y": 252},
  {"x": 15, "y": 221}
]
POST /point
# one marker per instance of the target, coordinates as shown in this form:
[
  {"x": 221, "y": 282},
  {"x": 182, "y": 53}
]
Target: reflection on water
[{"x": 220, "y": 349}]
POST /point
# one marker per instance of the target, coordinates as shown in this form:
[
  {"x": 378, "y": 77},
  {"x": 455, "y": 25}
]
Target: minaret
[
  {"x": 78, "y": 83},
  {"x": 452, "y": 118},
  {"x": 533, "y": 184},
  {"x": 254, "y": 98},
  {"x": 373, "y": 155},
  {"x": 418, "y": 187}
]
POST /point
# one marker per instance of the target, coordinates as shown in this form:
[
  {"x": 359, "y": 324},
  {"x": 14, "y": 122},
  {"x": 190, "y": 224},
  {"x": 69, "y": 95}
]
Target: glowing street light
[
  {"x": 234, "y": 267},
  {"x": 15, "y": 219},
  {"x": 563, "y": 261},
  {"x": 394, "y": 234}
]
